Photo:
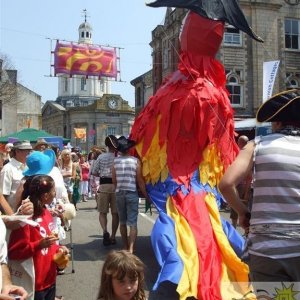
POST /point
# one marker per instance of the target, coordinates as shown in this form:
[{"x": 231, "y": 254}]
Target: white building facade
[
  {"x": 79, "y": 90},
  {"x": 19, "y": 106}
]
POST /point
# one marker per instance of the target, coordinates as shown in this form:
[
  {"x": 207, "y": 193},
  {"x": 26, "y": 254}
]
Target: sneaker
[{"x": 106, "y": 239}]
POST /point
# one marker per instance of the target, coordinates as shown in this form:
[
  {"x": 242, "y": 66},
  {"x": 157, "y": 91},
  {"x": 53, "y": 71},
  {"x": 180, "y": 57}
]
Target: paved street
[{"x": 89, "y": 254}]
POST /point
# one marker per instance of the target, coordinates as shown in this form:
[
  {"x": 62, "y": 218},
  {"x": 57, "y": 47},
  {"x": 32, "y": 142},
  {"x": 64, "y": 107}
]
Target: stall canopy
[
  {"x": 29, "y": 134},
  {"x": 249, "y": 124}
]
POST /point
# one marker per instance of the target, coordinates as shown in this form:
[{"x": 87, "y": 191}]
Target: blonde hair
[
  {"x": 62, "y": 155},
  {"x": 119, "y": 264}
]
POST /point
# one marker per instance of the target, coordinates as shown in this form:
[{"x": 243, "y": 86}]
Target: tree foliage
[{"x": 8, "y": 81}]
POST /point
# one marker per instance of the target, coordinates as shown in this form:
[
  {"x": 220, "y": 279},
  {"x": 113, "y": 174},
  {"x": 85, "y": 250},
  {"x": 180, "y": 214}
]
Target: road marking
[{"x": 148, "y": 218}]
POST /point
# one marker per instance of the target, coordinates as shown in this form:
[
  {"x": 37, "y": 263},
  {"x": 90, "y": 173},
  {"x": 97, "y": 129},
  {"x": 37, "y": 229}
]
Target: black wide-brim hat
[
  {"x": 282, "y": 107},
  {"x": 124, "y": 144}
]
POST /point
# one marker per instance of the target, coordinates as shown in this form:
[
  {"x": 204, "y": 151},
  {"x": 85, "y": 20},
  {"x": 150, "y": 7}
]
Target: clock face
[{"x": 112, "y": 103}]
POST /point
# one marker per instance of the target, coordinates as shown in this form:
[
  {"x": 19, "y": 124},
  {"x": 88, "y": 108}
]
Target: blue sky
[{"x": 26, "y": 27}]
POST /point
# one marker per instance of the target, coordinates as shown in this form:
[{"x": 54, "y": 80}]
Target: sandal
[
  {"x": 113, "y": 241},
  {"x": 106, "y": 239}
]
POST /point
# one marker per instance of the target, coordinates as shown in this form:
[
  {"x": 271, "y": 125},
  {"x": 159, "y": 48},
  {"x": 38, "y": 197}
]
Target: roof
[
  {"x": 57, "y": 106},
  {"x": 30, "y": 134},
  {"x": 85, "y": 25}
]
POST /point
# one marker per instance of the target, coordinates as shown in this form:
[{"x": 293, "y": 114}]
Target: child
[
  {"x": 84, "y": 183},
  {"x": 122, "y": 277},
  {"x": 38, "y": 242}
]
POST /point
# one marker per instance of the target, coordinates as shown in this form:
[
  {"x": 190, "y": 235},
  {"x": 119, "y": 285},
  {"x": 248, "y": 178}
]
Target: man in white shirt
[
  {"x": 6, "y": 286},
  {"x": 11, "y": 175}
]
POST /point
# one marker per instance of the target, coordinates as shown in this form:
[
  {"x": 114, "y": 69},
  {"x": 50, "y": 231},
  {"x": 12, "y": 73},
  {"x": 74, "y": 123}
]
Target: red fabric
[
  {"x": 194, "y": 111},
  {"x": 85, "y": 59},
  {"x": 24, "y": 243},
  {"x": 85, "y": 170},
  {"x": 201, "y": 36},
  {"x": 193, "y": 208},
  {"x": 193, "y": 105}
]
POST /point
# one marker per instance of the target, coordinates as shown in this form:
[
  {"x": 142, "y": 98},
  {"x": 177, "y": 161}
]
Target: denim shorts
[
  {"x": 69, "y": 184},
  {"x": 128, "y": 207}
]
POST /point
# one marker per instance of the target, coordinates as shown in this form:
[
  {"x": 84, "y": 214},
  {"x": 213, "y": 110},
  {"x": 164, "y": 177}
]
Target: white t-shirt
[
  {"x": 3, "y": 248},
  {"x": 10, "y": 179}
]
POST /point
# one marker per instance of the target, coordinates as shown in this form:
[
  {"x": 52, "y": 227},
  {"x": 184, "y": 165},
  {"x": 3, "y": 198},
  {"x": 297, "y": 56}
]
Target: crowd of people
[{"x": 40, "y": 183}]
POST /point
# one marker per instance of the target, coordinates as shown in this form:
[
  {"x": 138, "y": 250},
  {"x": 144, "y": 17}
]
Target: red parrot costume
[{"x": 185, "y": 139}]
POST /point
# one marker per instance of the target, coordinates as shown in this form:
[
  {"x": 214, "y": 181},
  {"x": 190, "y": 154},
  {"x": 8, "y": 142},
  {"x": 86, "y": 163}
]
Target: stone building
[
  {"x": 19, "y": 106},
  {"x": 87, "y": 104},
  {"x": 277, "y": 22},
  {"x": 143, "y": 90},
  {"x": 109, "y": 114}
]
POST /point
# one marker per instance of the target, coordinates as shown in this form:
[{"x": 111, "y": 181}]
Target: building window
[
  {"x": 111, "y": 131},
  {"x": 291, "y": 34},
  {"x": 69, "y": 103},
  {"x": 101, "y": 85},
  {"x": 235, "y": 90},
  {"x": 65, "y": 82},
  {"x": 87, "y": 34},
  {"x": 165, "y": 58},
  {"x": 232, "y": 36},
  {"x": 82, "y": 34},
  {"x": 292, "y": 80},
  {"x": 138, "y": 96},
  {"x": 83, "y": 84}
]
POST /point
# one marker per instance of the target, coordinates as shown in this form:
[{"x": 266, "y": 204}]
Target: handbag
[{"x": 23, "y": 274}]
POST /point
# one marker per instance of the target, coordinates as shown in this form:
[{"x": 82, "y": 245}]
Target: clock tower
[{"x": 79, "y": 90}]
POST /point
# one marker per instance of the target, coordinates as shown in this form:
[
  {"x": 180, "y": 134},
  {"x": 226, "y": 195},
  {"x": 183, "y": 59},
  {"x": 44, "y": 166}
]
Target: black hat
[
  {"x": 124, "y": 144},
  {"x": 282, "y": 107},
  {"x": 228, "y": 11},
  {"x": 111, "y": 141}
]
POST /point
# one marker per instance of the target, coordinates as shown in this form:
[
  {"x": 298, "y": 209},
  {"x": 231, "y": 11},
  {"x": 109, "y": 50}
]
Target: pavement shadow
[
  {"x": 166, "y": 290},
  {"x": 91, "y": 251}
]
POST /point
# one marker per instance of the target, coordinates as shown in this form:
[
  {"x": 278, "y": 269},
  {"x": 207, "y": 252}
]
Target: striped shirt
[
  {"x": 125, "y": 167},
  {"x": 103, "y": 165},
  {"x": 275, "y": 216}
]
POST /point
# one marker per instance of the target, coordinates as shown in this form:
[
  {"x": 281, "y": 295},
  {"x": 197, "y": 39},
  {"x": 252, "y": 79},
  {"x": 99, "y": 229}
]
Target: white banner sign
[{"x": 270, "y": 69}]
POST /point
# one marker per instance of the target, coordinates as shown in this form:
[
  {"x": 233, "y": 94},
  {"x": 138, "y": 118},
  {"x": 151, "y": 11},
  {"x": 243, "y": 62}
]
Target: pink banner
[{"x": 84, "y": 59}]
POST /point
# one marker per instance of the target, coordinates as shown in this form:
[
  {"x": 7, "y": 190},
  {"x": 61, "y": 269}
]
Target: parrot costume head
[{"x": 228, "y": 11}]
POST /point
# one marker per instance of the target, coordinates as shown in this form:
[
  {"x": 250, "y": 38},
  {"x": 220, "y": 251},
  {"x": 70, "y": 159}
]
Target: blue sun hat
[{"x": 40, "y": 163}]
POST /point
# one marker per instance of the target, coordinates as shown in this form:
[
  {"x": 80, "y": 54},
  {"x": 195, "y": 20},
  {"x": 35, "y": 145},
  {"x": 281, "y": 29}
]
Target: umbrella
[{"x": 30, "y": 134}]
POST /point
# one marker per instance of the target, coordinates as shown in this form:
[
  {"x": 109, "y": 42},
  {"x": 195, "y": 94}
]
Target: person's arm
[
  {"x": 95, "y": 167},
  {"x": 141, "y": 182},
  {"x": 26, "y": 209},
  {"x": 8, "y": 287},
  {"x": 73, "y": 171},
  {"x": 239, "y": 169},
  {"x": 5, "y": 205},
  {"x": 114, "y": 177},
  {"x": 80, "y": 171},
  {"x": 18, "y": 195}
]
